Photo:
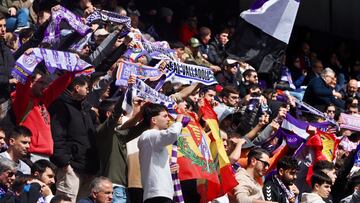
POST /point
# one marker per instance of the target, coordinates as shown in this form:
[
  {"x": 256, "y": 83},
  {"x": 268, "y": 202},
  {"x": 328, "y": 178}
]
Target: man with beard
[
  {"x": 249, "y": 190},
  {"x": 280, "y": 187}
]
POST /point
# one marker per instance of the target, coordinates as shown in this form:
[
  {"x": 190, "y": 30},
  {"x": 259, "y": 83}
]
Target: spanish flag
[
  {"x": 194, "y": 157},
  {"x": 324, "y": 147},
  {"x": 226, "y": 175}
]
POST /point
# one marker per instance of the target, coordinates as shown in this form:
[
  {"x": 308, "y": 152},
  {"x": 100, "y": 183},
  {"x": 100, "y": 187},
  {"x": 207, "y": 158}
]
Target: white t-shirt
[{"x": 154, "y": 161}]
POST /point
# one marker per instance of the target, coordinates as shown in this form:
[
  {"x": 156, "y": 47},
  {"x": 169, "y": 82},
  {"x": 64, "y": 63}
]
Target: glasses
[
  {"x": 265, "y": 163},
  {"x": 330, "y": 111}
]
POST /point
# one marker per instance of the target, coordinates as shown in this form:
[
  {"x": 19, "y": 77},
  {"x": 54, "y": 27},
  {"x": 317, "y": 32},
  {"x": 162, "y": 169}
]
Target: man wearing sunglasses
[
  {"x": 7, "y": 175},
  {"x": 249, "y": 190}
]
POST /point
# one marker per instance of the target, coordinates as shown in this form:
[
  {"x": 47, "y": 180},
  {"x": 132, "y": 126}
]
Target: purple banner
[{"x": 350, "y": 122}]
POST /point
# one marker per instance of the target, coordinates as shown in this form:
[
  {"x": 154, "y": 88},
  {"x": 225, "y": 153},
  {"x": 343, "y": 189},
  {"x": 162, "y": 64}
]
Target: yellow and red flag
[
  {"x": 324, "y": 147},
  {"x": 194, "y": 157},
  {"x": 226, "y": 174}
]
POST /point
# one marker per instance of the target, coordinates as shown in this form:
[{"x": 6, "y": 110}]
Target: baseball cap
[
  {"x": 229, "y": 62},
  {"x": 193, "y": 42}
]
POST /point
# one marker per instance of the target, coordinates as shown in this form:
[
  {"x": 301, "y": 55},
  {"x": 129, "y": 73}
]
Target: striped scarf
[
  {"x": 52, "y": 32},
  {"x": 290, "y": 196},
  {"x": 108, "y": 16},
  {"x": 178, "y": 197}
]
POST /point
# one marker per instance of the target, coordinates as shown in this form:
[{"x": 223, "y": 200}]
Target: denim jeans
[
  {"x": 20, "y": 20},
  {"x": 120, "y": 195}
]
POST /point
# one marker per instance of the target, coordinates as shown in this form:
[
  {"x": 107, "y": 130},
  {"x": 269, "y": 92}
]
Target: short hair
[
  {"x": 106, "y": 105},
  {"x": 287, "y": 162},
  {"x": 20, "y": 181},
  {"x": 7, "y": 164},
  {"x": 59, "y": 198},
  {"x": 320, "y": 178},
  {"x": 227, "y": 90},
  {"x": 252, "y": 87},
  {"x": 19, "y": 131},
  {"x": 151, "y": 110},
  {"x": 248, "y": 73},
  {"x": 327, "y": 71},
  {"x": 41, "y": 165},
  {"x": 2, "y": 16},
  {"x": 81, "y": 81},
  {"x": 327, "y": 106},
  {"x": 323, "y": 165},
  {"x": 256, "y": 153},
  {"x": 95, "y": 185},
  {"x": 224, "y": 30},
  {"x": 354, "y": 180},
  {"x": 205, "y": 89},
  {"x": 204, "y": 31}
]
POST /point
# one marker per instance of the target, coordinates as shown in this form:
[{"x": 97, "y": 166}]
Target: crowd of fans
[{"x": 67, "y": 138}]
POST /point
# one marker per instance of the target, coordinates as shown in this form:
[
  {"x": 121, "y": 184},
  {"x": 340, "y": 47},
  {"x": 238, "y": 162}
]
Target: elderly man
[
  {"x": 7, "y": 174},
  {"x": 319, "y": 92},
  {"x": 101, "y": 191},
  {"x": 351, "y": 90}
]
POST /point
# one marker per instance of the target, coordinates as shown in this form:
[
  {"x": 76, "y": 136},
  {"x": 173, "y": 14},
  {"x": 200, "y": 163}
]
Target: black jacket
[
  {"x": 216, "y": 53},
  {"x": 73, "y": 133},
  {"x": 273, "y": 191},
  {"x": 7, "y": 62}
]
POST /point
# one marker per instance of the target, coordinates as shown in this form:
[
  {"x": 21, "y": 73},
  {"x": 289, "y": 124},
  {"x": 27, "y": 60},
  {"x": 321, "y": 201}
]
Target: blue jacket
[{"x": 318, "y": 93}]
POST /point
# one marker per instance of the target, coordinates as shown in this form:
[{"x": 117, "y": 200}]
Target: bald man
[{"x": 351, "y": 90}]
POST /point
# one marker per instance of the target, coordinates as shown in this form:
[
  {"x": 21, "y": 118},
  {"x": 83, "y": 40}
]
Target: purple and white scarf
[
  {"x": 289, "y": 194},
  {"x": 142, "y": 90},
  {"x": 52, "y": 32},
  {"x": 26, "y": 64},
  {"x": 183, "y": 73},
  {"x": 178, "y": 196},
  {"x": 158, "y": 49},
  {"x": 109, "y": 16},
  {"x": 125, "y": 69}
]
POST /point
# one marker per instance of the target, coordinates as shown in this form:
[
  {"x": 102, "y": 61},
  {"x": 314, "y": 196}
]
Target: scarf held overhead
[
  {"x": 52, "y": 32},
  {"x": 26, "y": 64},
  {"x": 125, "y": 69},
  {"x": 183, "y": 73}
]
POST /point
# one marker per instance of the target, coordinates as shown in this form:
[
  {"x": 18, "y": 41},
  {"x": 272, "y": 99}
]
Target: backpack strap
[{"x": 27, "y": 111}]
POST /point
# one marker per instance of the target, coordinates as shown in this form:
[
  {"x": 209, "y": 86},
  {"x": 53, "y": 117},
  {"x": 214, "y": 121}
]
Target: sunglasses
[
  {"x": 266, "y": 164},
  {"x": 11, "y": 174}
]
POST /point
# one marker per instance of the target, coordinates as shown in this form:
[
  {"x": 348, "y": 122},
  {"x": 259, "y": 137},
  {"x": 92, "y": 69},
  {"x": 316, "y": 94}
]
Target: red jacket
[
  {"x": 186, "y": 33},
  {"x": 32, "y": 112}
]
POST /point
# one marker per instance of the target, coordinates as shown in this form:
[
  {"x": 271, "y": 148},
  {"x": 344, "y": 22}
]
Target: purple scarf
[
  {"x": 52, "y": 32},
  {"x": 26, "y": 64}
]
